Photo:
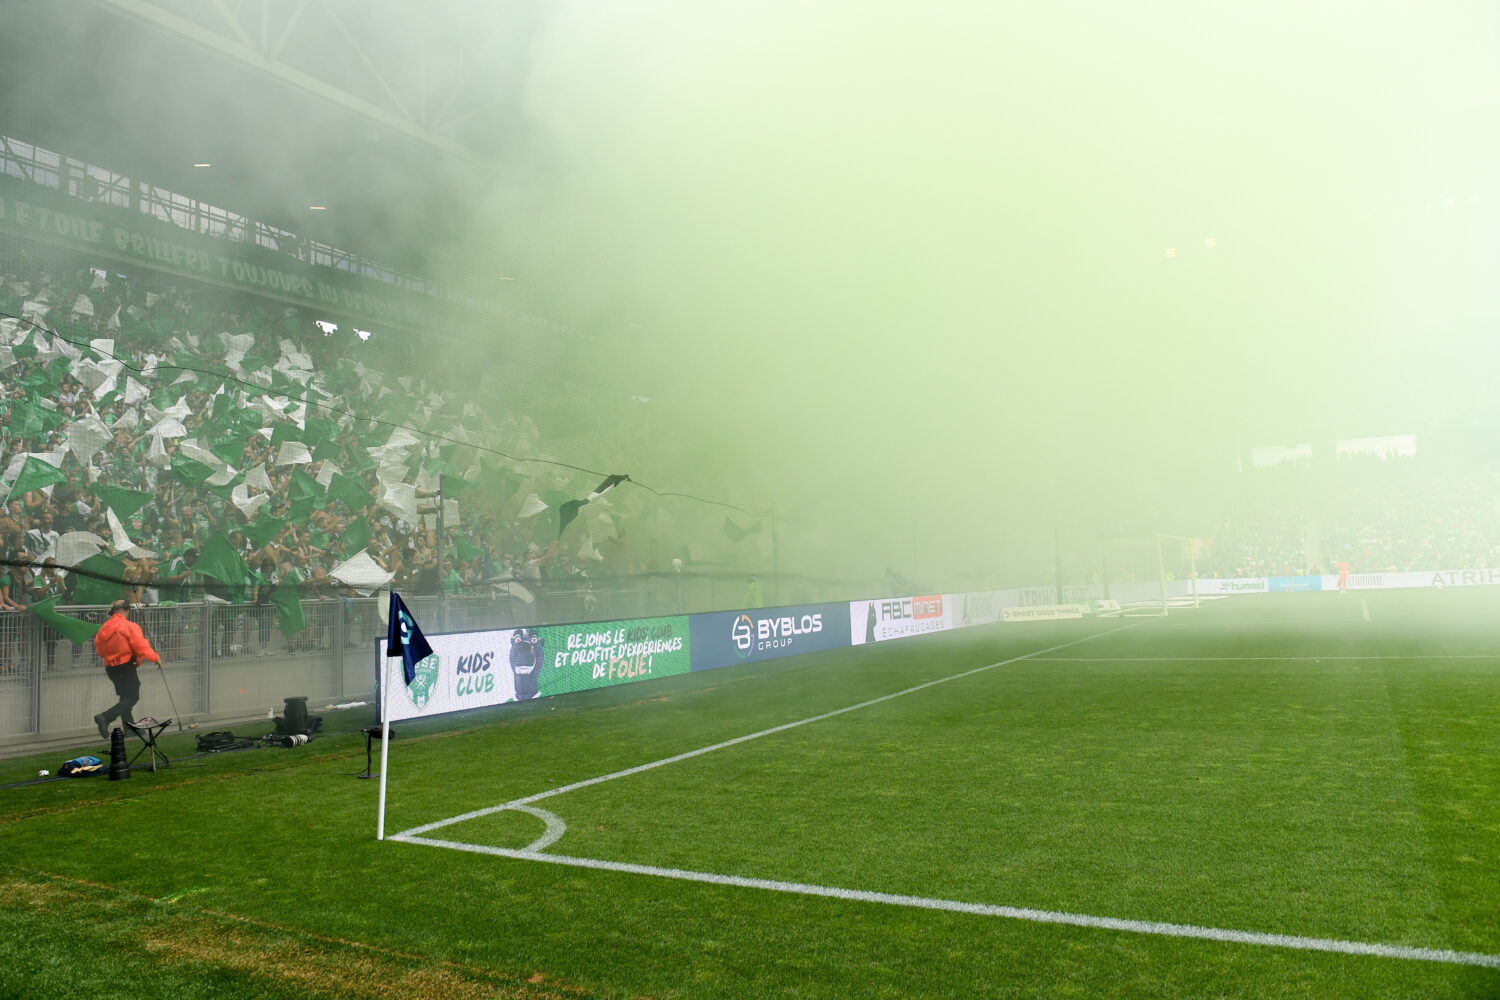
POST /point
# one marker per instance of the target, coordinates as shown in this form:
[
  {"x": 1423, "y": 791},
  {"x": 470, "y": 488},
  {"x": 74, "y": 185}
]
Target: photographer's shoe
[{"x": 103, "y": 725}]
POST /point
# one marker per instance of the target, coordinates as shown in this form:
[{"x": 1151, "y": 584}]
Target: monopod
[{"x": 170, "y": 700}]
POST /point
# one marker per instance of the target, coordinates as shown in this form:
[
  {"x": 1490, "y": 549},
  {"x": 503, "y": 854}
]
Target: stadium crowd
[
  {"x": 1378, "y": 515},
  {"x": 172, "y": 420},
  {"x": 164, "y": 436}
]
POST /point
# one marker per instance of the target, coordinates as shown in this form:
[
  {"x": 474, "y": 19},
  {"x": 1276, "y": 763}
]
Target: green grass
[{"x": 1341, "y": 781}]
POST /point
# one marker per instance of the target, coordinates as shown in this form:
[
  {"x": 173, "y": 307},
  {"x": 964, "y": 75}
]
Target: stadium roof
[{"x": 389, "y": 124}]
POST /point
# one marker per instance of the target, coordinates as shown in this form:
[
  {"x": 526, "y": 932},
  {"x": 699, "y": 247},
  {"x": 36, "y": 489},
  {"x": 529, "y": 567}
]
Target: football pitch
[{"x": 1283, "y": 795}]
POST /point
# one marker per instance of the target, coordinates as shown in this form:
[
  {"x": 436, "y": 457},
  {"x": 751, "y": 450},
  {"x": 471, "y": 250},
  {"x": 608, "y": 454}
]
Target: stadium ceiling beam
[{"x": 248, "y": 55}]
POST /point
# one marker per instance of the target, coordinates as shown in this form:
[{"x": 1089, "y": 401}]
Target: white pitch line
[
  {"x": 1261, "y": 659},
  {"x": 1155, "y": 927},
  {"x": 627, "y": 772}
]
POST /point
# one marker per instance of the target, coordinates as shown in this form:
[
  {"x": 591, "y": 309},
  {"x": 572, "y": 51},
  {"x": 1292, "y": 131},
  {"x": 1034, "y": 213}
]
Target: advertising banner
[
  {"x": 980, "y": 607},
  {"x": 1043, "y": 612},
  {"x": 1242, "y": 585},
  {"x": 579, "y": 657},
  {"x": 899, "y": 617},
  {"x": 725, "y": 638},
  {"x": 1463, "y": 577},
  {"x": 1417, "y": 578},
  {"x": 1289, "y": 584},
  {"x": 467, "y": 670}
]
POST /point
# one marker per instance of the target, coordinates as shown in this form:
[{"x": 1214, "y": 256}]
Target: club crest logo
[
  {"x": 425, "y": 682},
  {"x": 425, "y": 670}
]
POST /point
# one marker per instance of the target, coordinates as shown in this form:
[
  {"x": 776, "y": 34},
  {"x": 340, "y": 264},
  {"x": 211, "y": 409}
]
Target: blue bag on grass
[{"x": 81, "y": 767}]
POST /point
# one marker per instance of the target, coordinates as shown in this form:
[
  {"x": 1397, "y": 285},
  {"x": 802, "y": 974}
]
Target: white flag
[{"x": 532, "y": 506}]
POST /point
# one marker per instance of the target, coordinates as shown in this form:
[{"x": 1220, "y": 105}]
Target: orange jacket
[{"x": 120, "y": 640}]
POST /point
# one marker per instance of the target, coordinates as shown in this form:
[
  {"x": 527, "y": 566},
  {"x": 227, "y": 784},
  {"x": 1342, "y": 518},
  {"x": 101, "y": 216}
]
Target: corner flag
[{"x": 405, "y": 640}]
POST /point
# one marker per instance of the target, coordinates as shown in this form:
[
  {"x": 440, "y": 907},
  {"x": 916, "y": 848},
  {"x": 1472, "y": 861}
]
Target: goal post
[
  {"x": 1183, "y": 551},
  {"x": 1150, "y": 574}
]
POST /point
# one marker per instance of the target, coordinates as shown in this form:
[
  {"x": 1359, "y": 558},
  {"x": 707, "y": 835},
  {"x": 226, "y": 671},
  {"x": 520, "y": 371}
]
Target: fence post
[
  {"x": 205, "y": 651},
  {"x": 34, "y": 671},
  {"x": 340, "y": 636}
]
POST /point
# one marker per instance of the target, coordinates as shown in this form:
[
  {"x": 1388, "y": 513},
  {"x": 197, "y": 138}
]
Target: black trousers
[{"x": 127, "y": 684}]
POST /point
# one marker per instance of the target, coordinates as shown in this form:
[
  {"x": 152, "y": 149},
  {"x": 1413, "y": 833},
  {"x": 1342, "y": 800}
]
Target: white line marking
[
  {"x": 555, "y": 828},
  {"x": 514, "y": 803},
  {"x": 1364, "y": 609},
  {"x": 1260, "y": 659},
  {"x": 984, "y": 909}
]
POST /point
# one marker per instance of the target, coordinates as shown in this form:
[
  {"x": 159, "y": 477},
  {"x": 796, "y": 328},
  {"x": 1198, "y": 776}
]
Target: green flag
[
  {"x": 355, "y": 537},
  {"x": 224, "y": 407},
  {"x": 301, "y": 508},
  {"x": 304, "y": 485},
  {"x": 212, "y": 377},
  {"x": 219, "y": 561},
  {"x": 58, "y": 369},
  {"x": 26, "y": 349},
  {"x": 230, "y": 447},
  {"x": 190, "y": 470},
  {"x": 34, "y": 380},
  {"x": 73, "y": 629},
  {"x": 263, "y": 530},
  {"x": 284, "y": 431},
  {"x": 328, "y": 448},
  {"x": 350, "y": 491},
  {"x": 467, "y": 550},
  {"x": 288, "y": 607},
  {"x": 92, "y": 591},
  {"x": 318, "y": 429},
  {"x": 122, "y": 501},
  {"x": 26, "y": 419},
  {"x": 34, "y": 475}
]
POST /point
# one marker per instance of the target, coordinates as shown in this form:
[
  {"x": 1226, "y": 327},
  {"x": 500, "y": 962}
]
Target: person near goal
[{"x": 122, "y": 645}]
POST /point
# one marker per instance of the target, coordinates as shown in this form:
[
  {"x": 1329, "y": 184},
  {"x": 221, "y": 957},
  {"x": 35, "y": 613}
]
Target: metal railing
[{"x": 232, "y": 661}]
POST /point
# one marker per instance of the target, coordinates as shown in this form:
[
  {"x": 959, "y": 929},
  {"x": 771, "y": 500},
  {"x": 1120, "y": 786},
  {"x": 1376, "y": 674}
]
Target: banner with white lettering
[
  {"x": 579, "y": 657},
  {"x": 466, "y": 670},
  {"x": 1240, "y": 585},
  {"x": 725, "y": 638}
]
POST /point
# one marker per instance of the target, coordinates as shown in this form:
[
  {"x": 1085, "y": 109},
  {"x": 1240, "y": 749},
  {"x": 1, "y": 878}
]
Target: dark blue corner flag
[{"x": 405, "y": 640}]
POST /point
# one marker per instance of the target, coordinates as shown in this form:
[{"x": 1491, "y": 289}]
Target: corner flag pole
[{"x": 385, "y": 740}]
